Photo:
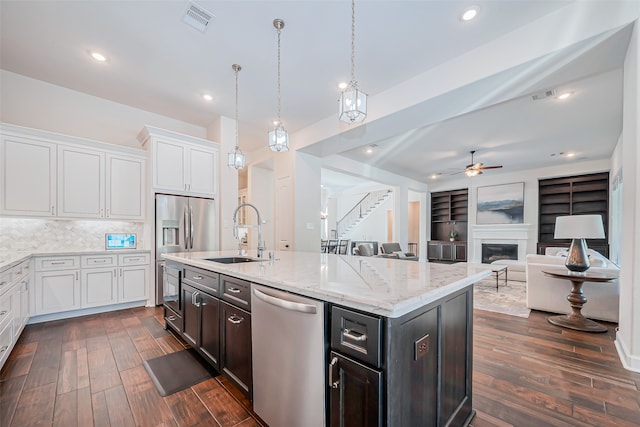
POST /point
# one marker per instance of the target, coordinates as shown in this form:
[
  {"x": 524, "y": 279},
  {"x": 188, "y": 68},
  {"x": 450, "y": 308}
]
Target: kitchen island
[{"x": 397, "y": 336}]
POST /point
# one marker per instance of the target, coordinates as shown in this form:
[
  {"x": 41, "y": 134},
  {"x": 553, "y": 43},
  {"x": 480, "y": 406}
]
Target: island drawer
[
  {"x": 236, "y": 291},
  {"x": 91, "y": 261},
  {"x": 357, "y": 335},
  {"x": 204, "y": 280},
  {"x": 57, "y": 263},
  {"x": 173, "y": 319}
]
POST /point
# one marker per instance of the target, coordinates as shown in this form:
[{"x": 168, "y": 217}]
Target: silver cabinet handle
[
  {"x": 347, "y": 334},
  {"x": 99, "y": 260},
  {"x": 333, "y": 384},
  {"x": 107, "y": 213},
  {"x": 234, "y": 290},
  {"x": 77, "y": 276},
  {"x": 197, "y": 303},
  {"x": 171, "y": 318},
  {"x": 101, "y": 213},
  {"x": 236, "y": 320},
  {"x": 3, "y": 312},
  {"x": 53, "y": 210},
  {"x": 58, "y": 262},
  {"x": 197, "y": 277},
  {"x": 4, "y": 348},
  {"x": 186, "y": 229},
  {"x": 191, "y": 229}
]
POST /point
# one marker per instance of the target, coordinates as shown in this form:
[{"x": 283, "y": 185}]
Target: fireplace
[{"x": 495, "y": 251}]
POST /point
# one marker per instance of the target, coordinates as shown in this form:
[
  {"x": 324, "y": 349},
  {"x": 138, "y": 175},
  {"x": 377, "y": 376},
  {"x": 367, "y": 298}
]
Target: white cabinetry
[
  {"x": 99, "y": 283},
  {"x": 81, "y": 179},
  {"x": 56, "y": 285},
  {"x": 28, "y": 177},
  {"x": 180, "y": 163},
  {"x": 14, "y": 307},
  {"x": 134, "y": 277},
  {"x": 46, "y": 174},
  {"x": 87, "y": 281}
]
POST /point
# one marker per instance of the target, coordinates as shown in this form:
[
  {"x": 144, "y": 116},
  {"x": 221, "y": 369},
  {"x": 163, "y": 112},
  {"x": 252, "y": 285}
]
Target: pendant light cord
[
  {"x": 236, "y": 68},
  {"x": 279, "y": 122},
  {"x": 353, "y": 42}
]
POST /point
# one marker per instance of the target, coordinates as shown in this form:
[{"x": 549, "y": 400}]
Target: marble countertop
[
  {"x": 10, "y": 258},
  {"x": 383, "y": 286}
]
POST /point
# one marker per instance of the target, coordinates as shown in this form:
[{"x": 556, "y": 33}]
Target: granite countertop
[
  {"x": 383, "y": 286},
  {"x": 10, "y": 258}
]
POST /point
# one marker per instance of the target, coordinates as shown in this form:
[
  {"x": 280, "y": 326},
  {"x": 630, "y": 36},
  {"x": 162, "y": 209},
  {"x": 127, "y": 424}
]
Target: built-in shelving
[
  {"x": 572, "y": 195},
  {"x": 449, "y": 211}
]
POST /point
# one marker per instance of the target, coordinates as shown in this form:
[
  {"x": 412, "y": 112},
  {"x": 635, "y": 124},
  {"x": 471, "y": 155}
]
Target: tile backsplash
[{"x": 46, "y": 235}]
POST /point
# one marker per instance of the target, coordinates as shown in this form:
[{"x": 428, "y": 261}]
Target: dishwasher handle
[{"x": 286, "y": 304}]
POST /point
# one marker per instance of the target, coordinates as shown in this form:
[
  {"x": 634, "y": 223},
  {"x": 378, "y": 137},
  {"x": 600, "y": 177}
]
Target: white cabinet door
[
  {"x": 81, "y": 182},
  {"x": 99, "y": 287},
  {"x": 169, "y": 160},
  {"x": 133, "y": 283},
  {"x": 201, "y": 171},
  {"x": 28, "y": 177},
  {"x": 56, "y": 291},
  {"x": 125, "y": 187}
]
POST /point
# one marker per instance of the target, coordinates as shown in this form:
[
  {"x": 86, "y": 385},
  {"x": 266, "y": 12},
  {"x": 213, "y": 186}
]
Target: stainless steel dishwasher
[{"x": 287, "y": 334}]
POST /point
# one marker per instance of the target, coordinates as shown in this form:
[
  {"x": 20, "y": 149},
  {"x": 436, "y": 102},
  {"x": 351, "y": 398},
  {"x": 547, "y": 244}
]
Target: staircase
[{"x": 361, "y": 211}]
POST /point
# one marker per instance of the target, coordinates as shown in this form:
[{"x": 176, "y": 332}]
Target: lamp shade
[{"x": 579, "y": 227}]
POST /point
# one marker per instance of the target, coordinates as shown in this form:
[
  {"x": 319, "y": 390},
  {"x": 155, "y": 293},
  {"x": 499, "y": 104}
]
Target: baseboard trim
[
  {"x": 629, "y": 361},
  {"x": 83, "y": 312}
]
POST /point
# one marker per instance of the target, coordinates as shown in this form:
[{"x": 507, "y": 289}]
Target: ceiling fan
[{"x": 474, "y": 169}]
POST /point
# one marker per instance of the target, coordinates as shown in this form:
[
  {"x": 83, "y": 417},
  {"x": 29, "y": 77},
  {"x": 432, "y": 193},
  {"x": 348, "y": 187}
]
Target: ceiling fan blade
[{"x": 489, "y": 167}]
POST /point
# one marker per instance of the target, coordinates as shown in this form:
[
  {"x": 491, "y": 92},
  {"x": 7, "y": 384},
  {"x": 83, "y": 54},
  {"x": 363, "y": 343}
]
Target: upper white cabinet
[
  {"x": 181, "y": 164},
  {"x": 28, "y": 177},
  {"x": 46, "y": 174},
  {"x": 81, "y": 177}
]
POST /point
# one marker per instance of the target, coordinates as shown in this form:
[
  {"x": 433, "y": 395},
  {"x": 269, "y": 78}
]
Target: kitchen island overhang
[
  {"x": 382, "y": 286},
  {"x": 398, "y": 335}
]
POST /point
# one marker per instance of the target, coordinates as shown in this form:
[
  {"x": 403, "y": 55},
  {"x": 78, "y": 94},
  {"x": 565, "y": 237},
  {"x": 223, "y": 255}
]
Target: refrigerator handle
[
  {"x": 191, "y": 226},
  {"x": 186, "y": 229}
]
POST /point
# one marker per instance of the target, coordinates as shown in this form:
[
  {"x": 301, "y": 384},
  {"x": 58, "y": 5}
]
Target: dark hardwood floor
[{"x": 88, "y": 371}]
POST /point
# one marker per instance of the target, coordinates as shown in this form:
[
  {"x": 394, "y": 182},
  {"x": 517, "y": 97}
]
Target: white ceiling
[{"x": 159, "y": 64}]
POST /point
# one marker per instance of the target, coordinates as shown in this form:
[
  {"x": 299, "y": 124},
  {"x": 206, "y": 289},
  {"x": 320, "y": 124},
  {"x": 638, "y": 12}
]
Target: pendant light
[
  {"x": 278, "y": 137},
  {"x": 353, "y": 102},
  {"x": 236, "y": 158}
]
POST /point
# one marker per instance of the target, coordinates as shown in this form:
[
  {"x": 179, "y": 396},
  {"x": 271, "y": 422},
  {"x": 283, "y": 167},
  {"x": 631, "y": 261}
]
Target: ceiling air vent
[
  {"x": 543, "y": 95},
  {"x": 197, "y": 16}
]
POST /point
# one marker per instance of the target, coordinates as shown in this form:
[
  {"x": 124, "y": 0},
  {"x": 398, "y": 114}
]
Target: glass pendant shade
[
  {"x": 279, "y": 139},
  {"x": 236, "y": 159},
  {"x": 353, "y": 104}
]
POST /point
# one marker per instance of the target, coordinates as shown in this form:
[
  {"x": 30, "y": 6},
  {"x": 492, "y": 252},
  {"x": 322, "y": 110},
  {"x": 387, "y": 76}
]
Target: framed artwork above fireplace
[{"x": 501, "y": 204}]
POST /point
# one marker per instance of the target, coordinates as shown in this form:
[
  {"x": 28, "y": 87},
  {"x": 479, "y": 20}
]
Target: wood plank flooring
[{"x": 88, "y": 371}]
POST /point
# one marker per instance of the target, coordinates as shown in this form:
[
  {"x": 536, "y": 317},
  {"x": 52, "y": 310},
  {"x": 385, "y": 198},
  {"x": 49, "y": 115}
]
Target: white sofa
[{"x": 550, "y": 294}]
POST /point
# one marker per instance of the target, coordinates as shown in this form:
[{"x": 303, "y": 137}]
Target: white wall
[
  {"x": 628, "y": 336},
  {"x": 40, "y": 105},
  {"x": 262, "y": 195}
]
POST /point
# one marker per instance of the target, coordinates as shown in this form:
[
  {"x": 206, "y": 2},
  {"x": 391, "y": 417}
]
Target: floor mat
[{"x": 176, "y": 371}]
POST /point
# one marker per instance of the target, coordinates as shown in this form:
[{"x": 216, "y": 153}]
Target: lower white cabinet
[
  {"x": 14, "y": 306},
  {"x": 57, "y": 291},
  {"x": 66, "y": 283}
]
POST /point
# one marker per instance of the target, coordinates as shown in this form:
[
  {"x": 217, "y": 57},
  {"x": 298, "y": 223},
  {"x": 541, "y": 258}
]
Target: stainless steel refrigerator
[{"x": 183, "y": 224}]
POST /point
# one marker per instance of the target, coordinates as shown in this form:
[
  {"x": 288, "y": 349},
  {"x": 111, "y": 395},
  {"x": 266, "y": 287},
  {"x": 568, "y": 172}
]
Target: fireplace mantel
[{"x": 499, "y": 233}]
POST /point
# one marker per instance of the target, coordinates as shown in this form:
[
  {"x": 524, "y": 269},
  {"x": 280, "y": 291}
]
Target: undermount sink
[{"x": 232, "y": 259}]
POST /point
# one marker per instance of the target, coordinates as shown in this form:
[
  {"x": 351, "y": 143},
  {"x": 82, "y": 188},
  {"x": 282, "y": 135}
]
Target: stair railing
[{"x": 366, "y": 204}]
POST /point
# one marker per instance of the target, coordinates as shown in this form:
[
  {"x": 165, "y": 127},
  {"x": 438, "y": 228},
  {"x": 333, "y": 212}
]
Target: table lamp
[{"x": 578, "y": 228}]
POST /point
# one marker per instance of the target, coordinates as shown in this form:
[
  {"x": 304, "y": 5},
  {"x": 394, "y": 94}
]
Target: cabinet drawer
[
  {"x": 236, "y": 291},
  {"x": 206, "y": 281},
  {"x": 173, "y": 319},
  {"x": 357, "y": 335},
  {"x": 6, "y": 336},
  {"x": 133, "y": 259},
  {"x": 5, "y": 310},
  {"x": 57, "y": 263},
  {"x": 98, "y": 261}
]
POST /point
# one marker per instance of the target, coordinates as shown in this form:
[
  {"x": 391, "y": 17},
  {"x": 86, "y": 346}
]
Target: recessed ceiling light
[
  {"x": 369, "y": 150},
  {"x": 435, "y": 175},
  {"x": 207, "y": 97},
  {"x": 342, "y": 86},
  {"x": 98, "y": 56},
  {"x": 564, "y": 95},
  {"x": 571, "y": 154},
  {"x": 469, "y": 13}
]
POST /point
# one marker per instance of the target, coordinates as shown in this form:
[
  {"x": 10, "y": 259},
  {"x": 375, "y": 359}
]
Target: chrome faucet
[{"x": 261, "y": 245}]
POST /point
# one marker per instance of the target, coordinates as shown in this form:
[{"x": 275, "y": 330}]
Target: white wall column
[
  {"x": 628, "y": 336},
  {"x": 401, "y": 216},
  {"x": 307, "y": 202},
  {"x": 223, "y": 131}
]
